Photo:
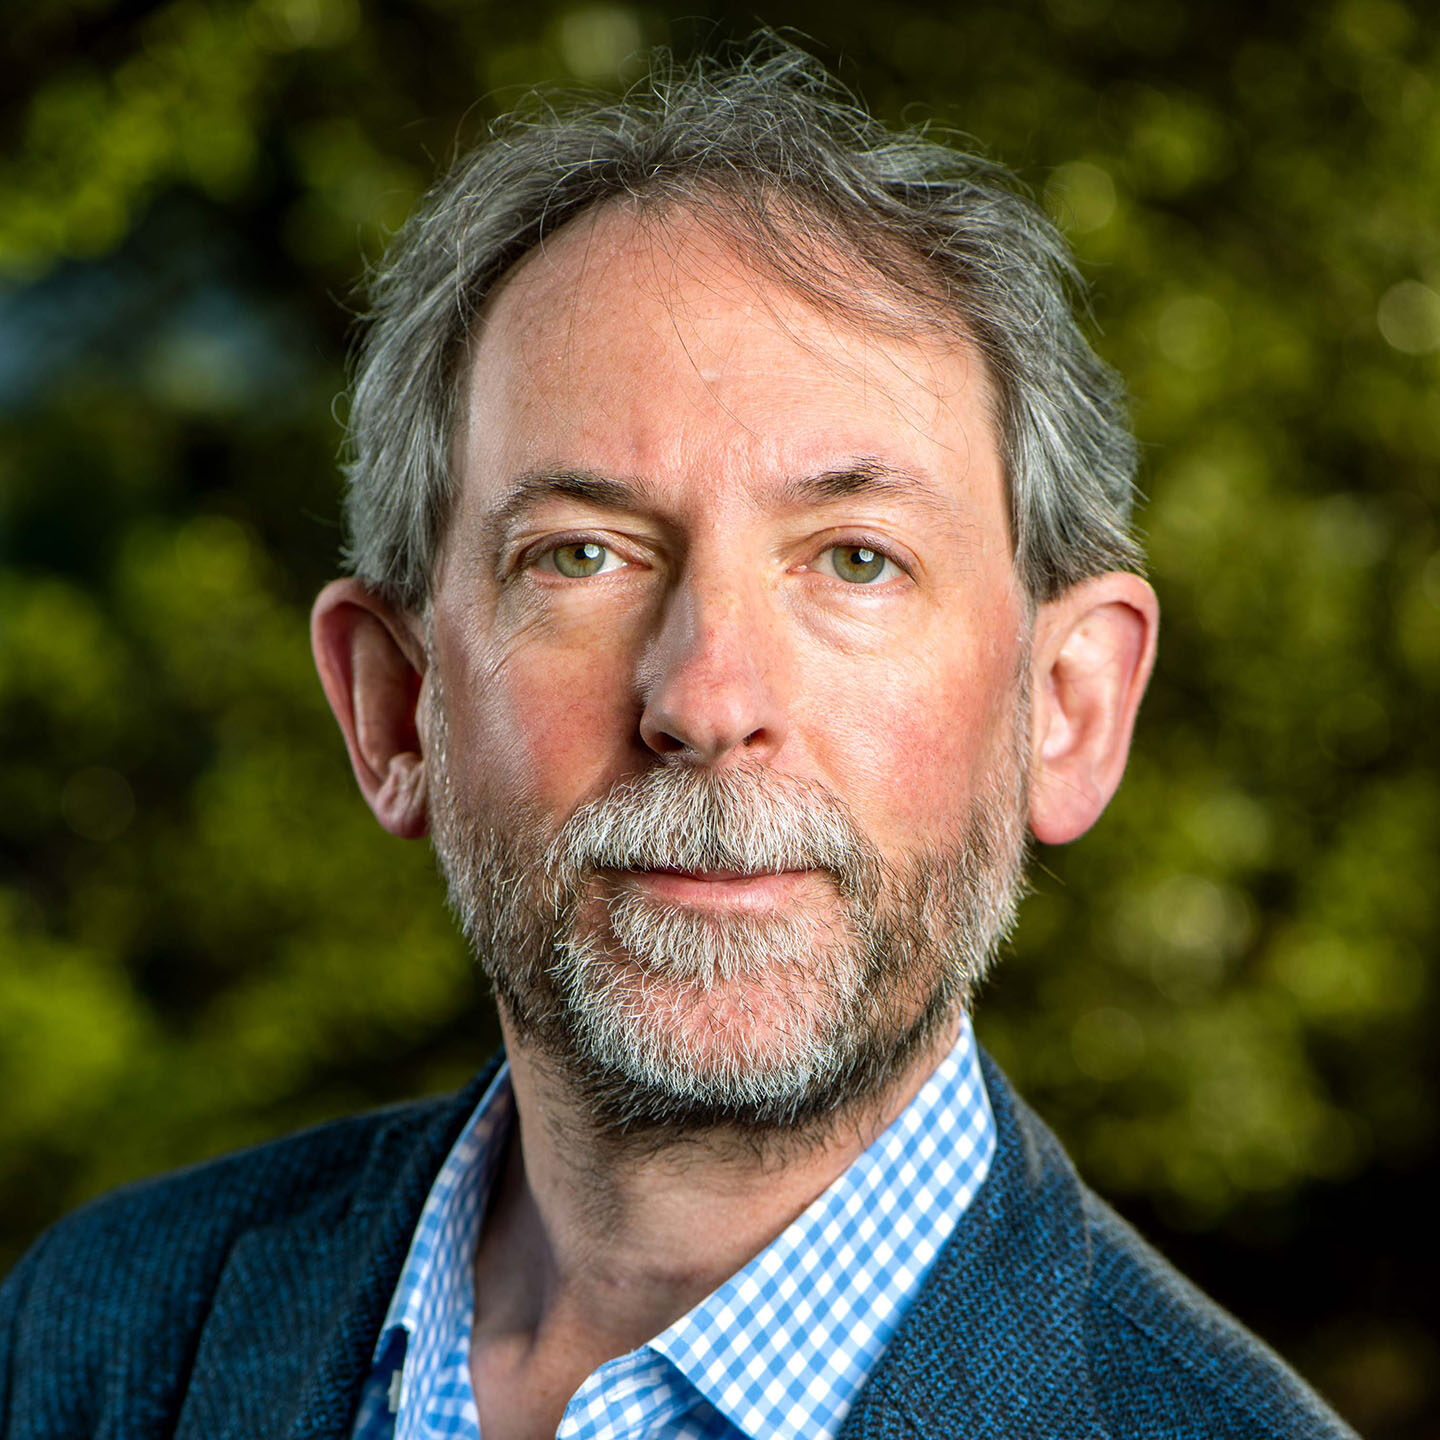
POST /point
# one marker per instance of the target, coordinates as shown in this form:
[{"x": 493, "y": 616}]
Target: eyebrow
[
  {"x": 863, "y": 477},
  {"x": 531, "y": 490}
]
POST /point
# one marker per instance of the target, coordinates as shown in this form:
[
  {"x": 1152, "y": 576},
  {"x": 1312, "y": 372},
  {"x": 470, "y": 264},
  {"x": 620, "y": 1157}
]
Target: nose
[{"x": 709, "y": 676}]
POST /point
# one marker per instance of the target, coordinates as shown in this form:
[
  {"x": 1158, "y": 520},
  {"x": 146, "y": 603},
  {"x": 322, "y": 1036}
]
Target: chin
[{"x": 760, "y": 1027}]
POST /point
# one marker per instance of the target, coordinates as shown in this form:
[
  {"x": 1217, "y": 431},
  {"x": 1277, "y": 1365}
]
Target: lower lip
[{"x": 719, "y": 888}]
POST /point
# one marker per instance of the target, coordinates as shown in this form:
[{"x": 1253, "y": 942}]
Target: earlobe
[
  {"x": 371, "y": 665},
  {"x": 1093, "y": 652}
]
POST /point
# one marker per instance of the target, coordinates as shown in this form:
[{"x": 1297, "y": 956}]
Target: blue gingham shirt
[{"x": 780, "y": 1350}]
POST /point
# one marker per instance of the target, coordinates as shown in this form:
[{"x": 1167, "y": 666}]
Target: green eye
[
  {"x": 578, "y": 561},
  {"x": 858, "y": 563}
]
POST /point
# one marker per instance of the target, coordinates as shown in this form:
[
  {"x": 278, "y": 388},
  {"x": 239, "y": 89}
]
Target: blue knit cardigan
[{"x": 241, "y": 1300}]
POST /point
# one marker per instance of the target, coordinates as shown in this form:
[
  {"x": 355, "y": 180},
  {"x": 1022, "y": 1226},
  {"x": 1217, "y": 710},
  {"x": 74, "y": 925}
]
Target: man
[{"x": 741, "y": 570}]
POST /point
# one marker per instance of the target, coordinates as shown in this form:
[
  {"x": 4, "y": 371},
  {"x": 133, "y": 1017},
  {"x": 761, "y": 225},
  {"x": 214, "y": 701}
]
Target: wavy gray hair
[{"x": 773, "y": 153}]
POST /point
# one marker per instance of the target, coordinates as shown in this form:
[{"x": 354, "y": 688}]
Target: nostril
[{"x": 666, "y": 743}]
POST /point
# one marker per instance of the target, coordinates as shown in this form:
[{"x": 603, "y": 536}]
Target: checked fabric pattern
[
  {"x": 421, "y": 1362},
  {"x": 781, "y": 1349}
]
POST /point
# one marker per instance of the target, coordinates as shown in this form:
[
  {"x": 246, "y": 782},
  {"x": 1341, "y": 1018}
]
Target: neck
[{"x": 613, "y": 1238}]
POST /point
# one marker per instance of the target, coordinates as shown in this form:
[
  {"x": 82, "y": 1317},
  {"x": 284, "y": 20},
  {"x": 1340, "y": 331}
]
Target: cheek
[
  {"x": 909, "y": 739},
  {"x": 538, "y": 727}
]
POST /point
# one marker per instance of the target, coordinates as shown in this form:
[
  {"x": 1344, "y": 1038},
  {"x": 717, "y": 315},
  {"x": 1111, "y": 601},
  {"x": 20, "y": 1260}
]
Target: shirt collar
[
  {"x": 433, "y": 1305},
  {"x": 784, "y": 1346}
]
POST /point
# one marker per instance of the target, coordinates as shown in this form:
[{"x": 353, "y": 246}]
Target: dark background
[{"x": 1223, "y": 998}]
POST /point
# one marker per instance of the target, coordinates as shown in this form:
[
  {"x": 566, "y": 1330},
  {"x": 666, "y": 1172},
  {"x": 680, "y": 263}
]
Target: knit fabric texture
[{"x": 242, "y": 1300}]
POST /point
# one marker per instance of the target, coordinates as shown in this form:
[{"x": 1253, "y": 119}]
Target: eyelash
[{"x": 530, "y": 559}]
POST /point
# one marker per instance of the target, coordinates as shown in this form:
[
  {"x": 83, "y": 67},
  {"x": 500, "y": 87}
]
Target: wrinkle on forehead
[{"x": 680, "y": 257}]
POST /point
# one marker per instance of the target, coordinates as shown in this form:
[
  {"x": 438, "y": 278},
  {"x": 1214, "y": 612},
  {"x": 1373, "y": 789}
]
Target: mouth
[{"x": 721, "y": 889}]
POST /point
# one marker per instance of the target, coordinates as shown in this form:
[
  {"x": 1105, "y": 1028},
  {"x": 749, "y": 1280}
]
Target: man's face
[{"x": 726, "y": 699}]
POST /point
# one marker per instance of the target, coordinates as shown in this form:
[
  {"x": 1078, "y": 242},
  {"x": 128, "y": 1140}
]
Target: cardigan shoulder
[
  {"x": 136, "y": 1233},
  {"x": 102, "y": 1315},
  {"x": 1167, "y": 1360}
]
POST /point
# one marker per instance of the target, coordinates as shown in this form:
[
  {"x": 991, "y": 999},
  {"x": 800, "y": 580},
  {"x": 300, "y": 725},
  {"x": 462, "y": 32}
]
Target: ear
[
  {"x": 371, "y": 663},
  {"x": 1093, "y": 652}
]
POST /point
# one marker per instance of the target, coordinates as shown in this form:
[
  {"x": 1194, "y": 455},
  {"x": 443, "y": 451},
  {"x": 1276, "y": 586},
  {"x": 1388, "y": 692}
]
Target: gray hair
[{"x": 778, "y": 157}]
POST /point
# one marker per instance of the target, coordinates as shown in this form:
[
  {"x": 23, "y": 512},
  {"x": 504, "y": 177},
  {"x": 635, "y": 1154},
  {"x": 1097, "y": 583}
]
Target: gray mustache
[{"x": 682, "y": 818}]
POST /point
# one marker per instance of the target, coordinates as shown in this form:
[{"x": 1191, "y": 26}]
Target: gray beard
[{"x": 648, "y": 1011}]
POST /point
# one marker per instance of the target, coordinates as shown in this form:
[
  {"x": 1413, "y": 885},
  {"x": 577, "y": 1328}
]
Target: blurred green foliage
[{"x": 1224, "y": 997}]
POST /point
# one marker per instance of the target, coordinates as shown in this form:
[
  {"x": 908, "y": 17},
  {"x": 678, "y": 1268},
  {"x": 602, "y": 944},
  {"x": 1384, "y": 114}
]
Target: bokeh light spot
[
  {"x": 596, "y": 40},
  {"x": 1081, "y": 196},
  {"x": 1409, "y": 318},
  {"x": 1193, "y": 332}
]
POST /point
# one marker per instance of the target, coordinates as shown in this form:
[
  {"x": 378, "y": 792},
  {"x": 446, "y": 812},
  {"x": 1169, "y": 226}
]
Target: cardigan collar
[{"x": 994, "y": 1344}]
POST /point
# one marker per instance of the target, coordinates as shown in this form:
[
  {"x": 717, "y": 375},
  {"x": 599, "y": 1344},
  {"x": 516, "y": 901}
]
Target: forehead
[{"x": 649, "y": 346}]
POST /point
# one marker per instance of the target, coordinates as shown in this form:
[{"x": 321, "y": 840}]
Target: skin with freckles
[{"x": 696, "y": 519}]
